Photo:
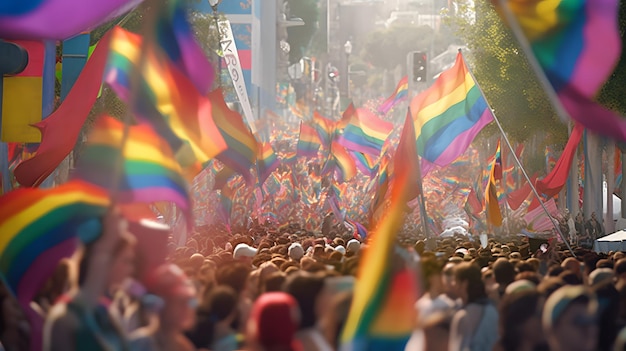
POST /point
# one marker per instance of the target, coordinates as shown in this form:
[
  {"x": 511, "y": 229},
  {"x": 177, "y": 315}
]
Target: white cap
[
  {"x": 353, "y": 245},
  {"x": 341, "y": 249},
  {"x": 295, "y": 251},
  {"x": 243, "y": 250}
]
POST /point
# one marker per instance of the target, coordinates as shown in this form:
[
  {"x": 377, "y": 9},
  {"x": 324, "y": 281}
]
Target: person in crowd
[
  {"x": 475, "y": 325},
  {"x": 569, "y": 319},
  {"x": 306, "y": 288},
  {"x": 213, "y": 329},
  {"x": 176, "y": 315},
  {"x": 274, "y": 320},
  {"x": 82, "y": 321},
  {"x": 520, "y": 321}
]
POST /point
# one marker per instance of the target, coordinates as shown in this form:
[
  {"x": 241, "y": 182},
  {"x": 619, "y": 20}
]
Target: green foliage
[
  {"x": 299, "y": 38},
  {"x": 505, "y": 76},
  {"x": 613, "y": 93}
]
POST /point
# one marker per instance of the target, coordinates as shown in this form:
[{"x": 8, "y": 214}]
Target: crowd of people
[{"x": 267, "y": 288}]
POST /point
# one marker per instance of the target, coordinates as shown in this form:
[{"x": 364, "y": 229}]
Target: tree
[
  {"x": 505, "y": 76},
  {"x": 299, "y": 38}
]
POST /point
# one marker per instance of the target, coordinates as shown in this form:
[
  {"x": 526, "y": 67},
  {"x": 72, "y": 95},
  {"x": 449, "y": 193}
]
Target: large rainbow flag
[
  {"x": 147, "y": 170},
  {"x": 365, "y": 132},
  {"x": 401, "y": 93},
  {"x": 382, "y": 315},
  {"x": 576, "y": 44},
  {"x": 42, "y": 226},
  {"x": 448, "y": 116}
]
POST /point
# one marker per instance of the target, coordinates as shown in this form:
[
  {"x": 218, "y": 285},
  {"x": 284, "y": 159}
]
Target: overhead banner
[{"x": 231, "y": 56}]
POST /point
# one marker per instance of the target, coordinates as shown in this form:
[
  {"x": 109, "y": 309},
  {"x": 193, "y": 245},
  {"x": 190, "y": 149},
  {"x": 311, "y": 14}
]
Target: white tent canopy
[{"x": 611, "y": 242}]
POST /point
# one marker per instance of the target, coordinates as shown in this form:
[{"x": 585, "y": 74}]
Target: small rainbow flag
[
  {"x": 309, "y": 142},
  {"x": 40, "y": 227},
  {"x": 165, "y": 98},
  {"x": 365, "y": 132},
  {"x": 149, "y": 173},
  {"x": 448, "y": 115},
  {"x": 325, "y": 128},
  {"x": 241, "y": 151},
  {"x": 401, "y": 93},
  {"x": 340, "y": 162},
  {"x": 494, "y": 216},
  {"x": 266, "y": 161},
  {"x": 364, "y": 162}
]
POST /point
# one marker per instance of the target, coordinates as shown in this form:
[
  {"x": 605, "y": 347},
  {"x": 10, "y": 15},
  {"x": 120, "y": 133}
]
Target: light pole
[
  {"x": 218, "y": 67},
  {"x": 347, "y": 47}
]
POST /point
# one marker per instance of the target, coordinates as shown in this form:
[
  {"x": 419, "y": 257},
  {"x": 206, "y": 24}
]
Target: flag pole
[
  {"x": 517, "y": 161},
  {"x": 420, "y": 188}
]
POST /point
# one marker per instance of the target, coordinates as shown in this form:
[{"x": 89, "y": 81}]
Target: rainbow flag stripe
[
  {"x": 266, "y": 161},
  {"x": 241, "y": 152},
  {"x": 149, "y": 174},
  {"x": 308, "y": 142},
  {"x": 364, "y": 162},
  {"x": 165, "y": 98},
  {"x": 400, "y": 94},
  {"x": 40, "y": 227},
  {"x": 449, "y": 114},
  {"x": 365, "y": 132}
]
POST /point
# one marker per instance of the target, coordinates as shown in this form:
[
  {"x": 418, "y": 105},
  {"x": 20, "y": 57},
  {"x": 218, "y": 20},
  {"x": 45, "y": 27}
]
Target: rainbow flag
[
  {"x": 448, "y": 115},
  {"x": 325, "y": 128},
  {"x": 241, "y": 152},
  {"x": 364, "y": 162},
  {"x": 365, "y": 132},
  {"x": 42, "y": 226},
  {"x": 497, "y": 163},
  {"x": 340, "y": 162},
  {"x": 222, "y": 177},
  {"x": 401, "y": 93},
  {"x": 382, "y": 315},
  {"x": 149, "y": 172},
  {"x": 290, "y": 158},
  {"x": 165, "y": 98},
  {"x": 308, "y": 142},
  {"x": 577, "y": 44},
  {"x": 266, "y": 161}
]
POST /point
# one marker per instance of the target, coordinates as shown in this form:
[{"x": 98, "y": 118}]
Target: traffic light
[
  {"x": 333, "y": 74},
  {"x": 420, "y": 67}
]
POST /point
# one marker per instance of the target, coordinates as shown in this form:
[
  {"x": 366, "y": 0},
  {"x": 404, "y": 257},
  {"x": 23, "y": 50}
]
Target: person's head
[
  {"x": 296, "y": 252},
  {"x": 221, "y": 303},
  {"x": 273, "y": 322},
  {"x": 305, "y": 289},
  {"x": 620, "y": 270},
  {"x": 448, "y": 280},
  {"x": 504, "y": 272},
  {"x": 573, "y": 265},
  {"x": 431, "y": 274},
  {"x": 468, "y": 280},
  {"x": 171, "y": 284},
  {"x": 569, "y": 319},
  {"x": 520, "y": 319},
  {"x": 233, "y": 275}
]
